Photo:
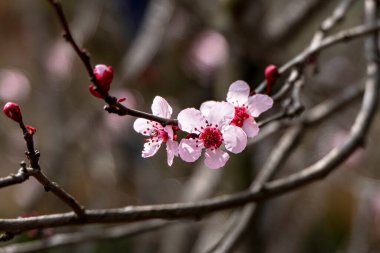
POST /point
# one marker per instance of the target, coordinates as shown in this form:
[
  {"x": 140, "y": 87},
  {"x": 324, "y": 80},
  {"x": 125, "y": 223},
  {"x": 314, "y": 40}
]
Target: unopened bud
[
  {"x": 104, "y": 76},
  {"x": 271, "y": 75},
  {"x": 13, "y": 111}
]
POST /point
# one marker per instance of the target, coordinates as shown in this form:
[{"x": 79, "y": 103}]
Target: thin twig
[
  {"x": 21, "y": 176},
  {"x": 35, "y": 171},
  {"x": 113, "y": 105},
  {"x": 337, "y": 16}
]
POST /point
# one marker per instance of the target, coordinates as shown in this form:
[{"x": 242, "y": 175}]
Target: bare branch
[
  {"x": 35, "y": 171},
  {"x": 21, "y": 176},
  {"x": 89, "y": 235}
]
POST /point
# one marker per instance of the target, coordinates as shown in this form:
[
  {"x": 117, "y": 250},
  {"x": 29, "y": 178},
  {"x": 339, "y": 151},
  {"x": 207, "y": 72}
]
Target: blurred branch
[
  {"x": 283, "y": 24},
  {"x": 276, "y": 159},
  {"x": 358, "y": 241},
  {"x": 342, "y": 36},
  {"x": 89, "y": 235},
  {"x": 149, "y": 38},
  {"x": 336, "y": 17}
]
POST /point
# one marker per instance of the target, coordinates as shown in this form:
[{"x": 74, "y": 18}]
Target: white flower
[
  {"x": 247, "y": 108},
  {"x": 156, "y": 132},
  {"x": 209, "y": 128}
]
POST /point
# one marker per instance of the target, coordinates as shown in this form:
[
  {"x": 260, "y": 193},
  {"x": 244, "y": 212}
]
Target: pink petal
[
  {"x": 161, "y": 108},
  {"x": 172, "y": 150},
  {"x": 206, "y": 107},
  {"x": 238, "y": 93},
  {"x": 150, "y": 148},
  {"x": 189, "y": 150},
  {"x": 169, "y": 130},
  {"x": 216, "y": 158},
  {"x": 190, "y": 119},
  {"x": 250, "y": 127},
  {"x": 259, "y": 103},
  {"x": 221, "y": 113},
  {"x": 143, "y": 126},
  {"x": 235, "y": 139}
]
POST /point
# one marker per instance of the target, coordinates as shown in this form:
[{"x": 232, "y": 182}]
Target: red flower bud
[
  {"x": 271, "y": 75},
  {"x": 104, "y": 76},
  {"x": 13, "y": 111}
]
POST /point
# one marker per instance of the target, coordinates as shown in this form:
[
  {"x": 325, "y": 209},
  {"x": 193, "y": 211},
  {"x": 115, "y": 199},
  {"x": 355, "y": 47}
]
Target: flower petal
[
  {"x": 143, "y": 126},
  {"x": 259, "y": 103},
  {"x": 190, "y": 119},
  {"x": 221, "y": 113},
  {"x": 235, "y": 139},
  {"x": 238, "y": 93},
  {"x": 206, "y": 107},
  {"x": 172, "y": 150},
  {"x": 161, "y": 108},
  {"x": 189, "y": 150},
  {"x": 169, "y": 130},
  {"x": 250, "y": 127},
  {"x": 151, "y": 148},
  {"x": 216, "y": 158}
]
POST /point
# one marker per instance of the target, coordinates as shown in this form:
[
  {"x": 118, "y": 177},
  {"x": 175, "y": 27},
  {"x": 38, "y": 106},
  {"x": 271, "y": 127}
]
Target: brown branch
[
  {"x": 21, "y": 176},
  {"x": 35, "y": 171},
  {"x": 89, "y": 235},
  {"x": 60, "y": 193},
  {"x": 113, "y": 105}
]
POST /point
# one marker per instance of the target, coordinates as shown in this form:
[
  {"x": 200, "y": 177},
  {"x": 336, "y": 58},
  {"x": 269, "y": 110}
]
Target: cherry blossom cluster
[{"x": 213, "y": 129}]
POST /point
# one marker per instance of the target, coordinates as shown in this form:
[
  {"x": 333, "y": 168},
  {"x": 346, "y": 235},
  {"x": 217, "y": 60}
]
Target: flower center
[
  {"x": 241, "y": 114},
  {"x": 161, "y": 134},
  {"x": 211, "y": 137},
  {"x": 158, "y": 133}
]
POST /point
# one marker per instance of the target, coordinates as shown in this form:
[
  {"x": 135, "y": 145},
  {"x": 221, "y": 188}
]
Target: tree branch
[
  {"x": 113, "y": 105},
  {"x": 89, "y": 235},
  {"x": 35, "y": 171}
]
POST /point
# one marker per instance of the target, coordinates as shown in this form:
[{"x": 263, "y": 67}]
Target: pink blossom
[
  {"x": 247, "y": 108},
  {"x": 209, "y": 128},
  {"x": 158, "y": 133}
]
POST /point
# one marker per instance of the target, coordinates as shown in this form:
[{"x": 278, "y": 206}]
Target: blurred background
[{"x": 187, "y": 52}]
